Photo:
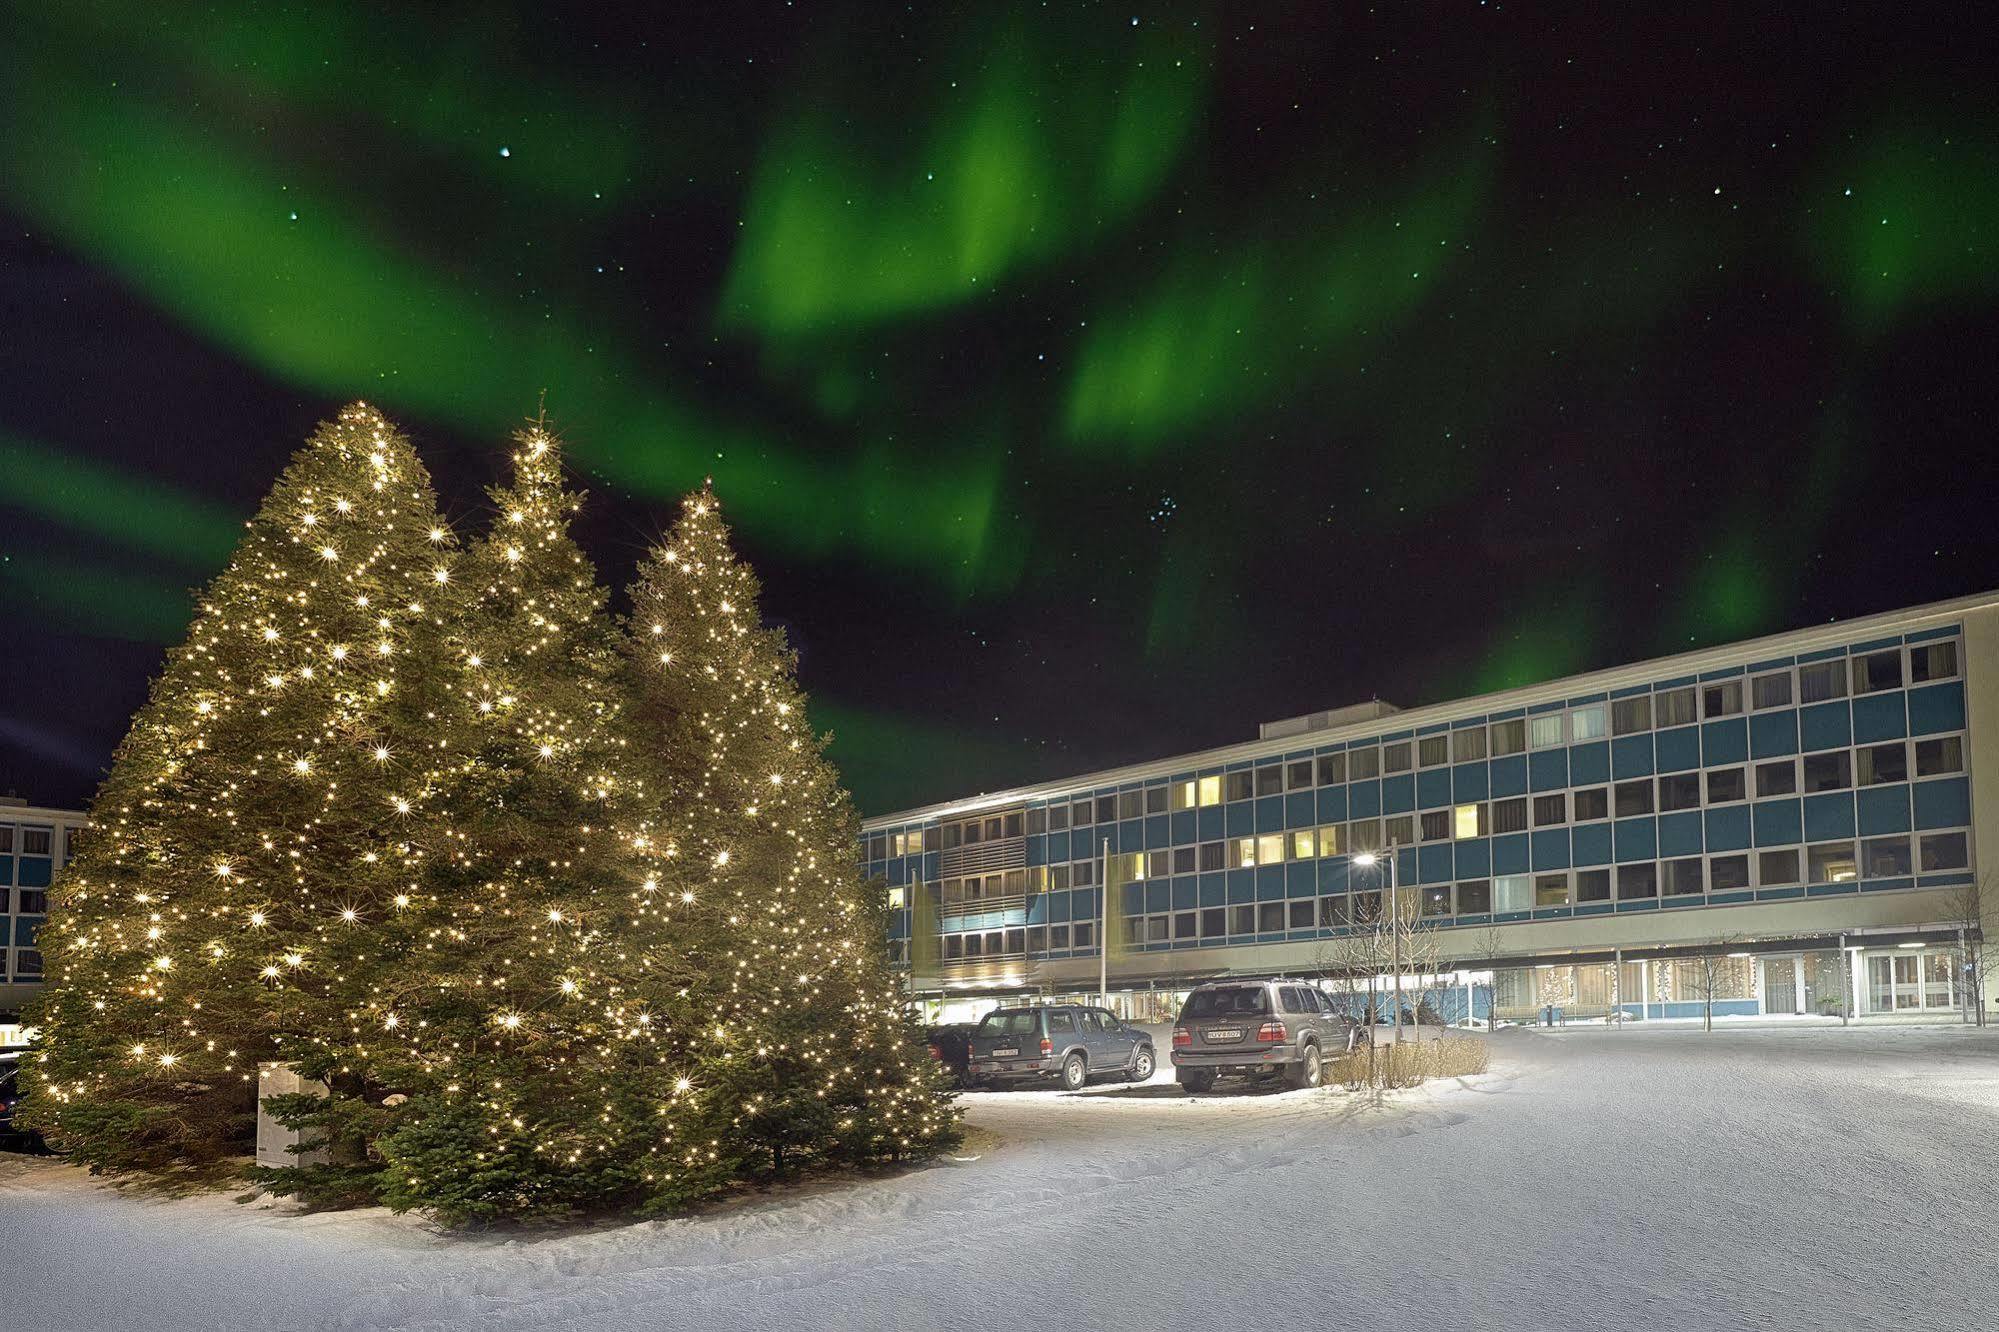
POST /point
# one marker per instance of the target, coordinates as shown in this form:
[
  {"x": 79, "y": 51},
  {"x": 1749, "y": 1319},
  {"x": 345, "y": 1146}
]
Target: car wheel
[
  {"x": 1196, "y": 1080},
  {"x": 1308, "y": 1070},
  {"x": 1074, "y": 1073},
  {"x": 1141, "y": 1064}
]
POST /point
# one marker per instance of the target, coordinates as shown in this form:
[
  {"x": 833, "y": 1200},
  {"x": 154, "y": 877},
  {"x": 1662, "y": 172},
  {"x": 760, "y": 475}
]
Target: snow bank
[{"x": 1664, "y": 1179}]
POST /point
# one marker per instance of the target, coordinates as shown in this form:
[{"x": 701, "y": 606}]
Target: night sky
[{"x": 1087, "y": 384}]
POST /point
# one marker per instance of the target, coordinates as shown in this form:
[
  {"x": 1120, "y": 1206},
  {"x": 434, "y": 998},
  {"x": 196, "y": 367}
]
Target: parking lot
[{"x": 1662, "y": 1178}]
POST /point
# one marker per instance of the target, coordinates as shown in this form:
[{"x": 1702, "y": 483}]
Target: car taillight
[
  {"x": 1181, "y": 1036},
  {"x": 1271, "y": 1031},
  {"x": 1047, "y": 1046}
]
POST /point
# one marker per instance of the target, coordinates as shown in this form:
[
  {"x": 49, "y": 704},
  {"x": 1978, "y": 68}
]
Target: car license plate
[
  {"x": 1226, "y": 1034},
  {"x": 1006, "y": 1054}
]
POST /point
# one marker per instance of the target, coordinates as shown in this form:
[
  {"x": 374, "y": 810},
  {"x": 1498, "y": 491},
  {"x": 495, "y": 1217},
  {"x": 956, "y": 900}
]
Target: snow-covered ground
[{"x": 1649, "y": 1178}]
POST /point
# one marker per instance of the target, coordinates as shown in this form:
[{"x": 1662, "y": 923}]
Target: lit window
[
  {"x": 1932, "y": 661},
  {"x": 1242, "y": 852},
  {"x": 1832, "y": 862},
  {"x": 1304, "y": 844},
  {"x": 1551, "y": 890},
  {"x": 1184, "y": 795},
  {"x": 1587, "y": 723},
  {"x": 895, "y": 898},
  {"x": 1330, "y": 840},
  {"x": 1270, "y": 849},
  {"x": 1211, "y": 790},
  {"x": 1469, "y": 820}
]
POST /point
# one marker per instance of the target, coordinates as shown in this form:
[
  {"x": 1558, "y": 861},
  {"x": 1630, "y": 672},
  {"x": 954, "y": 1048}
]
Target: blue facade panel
[
  {"x": 1433, "y": 863},
  {"x": 1825, "y": 726},
  {"x": 1364, "y": 799},
  {"x": 1636, "y": 839},
  {"x": 1631, "y": 756},
  {"x": 1550, "y": 849},
  {"x": 1935, "y": 708},
  {"x": 33, "y": 871},
  {"x": 1590, "y": 763},
  {"x": 1725, "y": 741},
  {"x": 1882, "y": 809},
  {"x": 1680, "y": 833},
  {"x": 1879, "y": 717},
  {"x": 1509, "y": 776},
  {"x": 1773, "y": 734},
  {"x": 1474, "y": 858},
  {"x": 1468, "y": 782},
  {"x": 1943, "y": 804},
  {"x": 1433, "y": 788},
  {"x": 1778, "y": 822},
  {"x": 1333, "y": 804},
  {"x": 1548, "y": 770},
  {"x": 1678, "y": 749},
  {"x": 1398, "y": 794},
  {"x": 1509, "y": 854},
  {"x": 1591, "y": 844},
  {"x": 1828, "y": 816},
  {"x": 1728, "y": 828}
]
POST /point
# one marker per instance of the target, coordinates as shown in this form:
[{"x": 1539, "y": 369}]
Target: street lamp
[{"x": 1394, "y": 927}]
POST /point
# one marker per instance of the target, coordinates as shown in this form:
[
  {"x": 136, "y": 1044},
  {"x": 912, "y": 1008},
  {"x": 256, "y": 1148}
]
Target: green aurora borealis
[{"x": 1087, "y": 384}]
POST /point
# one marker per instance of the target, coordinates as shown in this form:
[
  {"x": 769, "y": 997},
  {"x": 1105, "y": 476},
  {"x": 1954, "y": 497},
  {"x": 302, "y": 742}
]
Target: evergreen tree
[
  {"x": 511, "y": 990},
  {"x": 248, "y": 830},
  {"x": 808, "y": 1051}
]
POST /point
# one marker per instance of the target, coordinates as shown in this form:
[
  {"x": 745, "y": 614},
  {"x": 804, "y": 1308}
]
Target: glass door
[{"x": 1780, "y": 985}]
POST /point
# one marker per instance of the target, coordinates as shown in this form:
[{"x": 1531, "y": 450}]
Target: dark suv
[
  {"x": 1258, "y": 1027},
  {"x": 1068, "y": 1042}
]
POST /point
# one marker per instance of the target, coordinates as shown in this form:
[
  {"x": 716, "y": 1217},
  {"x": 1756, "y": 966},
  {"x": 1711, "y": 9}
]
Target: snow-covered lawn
[{"x": 1767, "y": 1179}]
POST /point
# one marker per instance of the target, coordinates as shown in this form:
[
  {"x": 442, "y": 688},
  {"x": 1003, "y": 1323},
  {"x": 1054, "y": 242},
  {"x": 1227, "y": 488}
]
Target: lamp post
[{"x": 1394, "y": 929}]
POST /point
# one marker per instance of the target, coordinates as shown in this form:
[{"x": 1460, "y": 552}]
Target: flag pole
[{"x": 1104, "y": 937}]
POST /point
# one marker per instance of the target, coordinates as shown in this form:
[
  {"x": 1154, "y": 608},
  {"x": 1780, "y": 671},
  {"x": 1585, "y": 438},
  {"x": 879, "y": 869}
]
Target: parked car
[
  {"x": 1259, "y": 1028},
  {"x": 1070, "y": 1043},
  {"x": 951, "y": 1046},
  {"x": 13, "y": 1138}
]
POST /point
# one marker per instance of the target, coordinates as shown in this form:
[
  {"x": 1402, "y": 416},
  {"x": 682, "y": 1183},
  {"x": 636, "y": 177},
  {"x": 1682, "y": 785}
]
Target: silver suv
[
  {"x": 1259, "y": 1027},
  {"x": 1070, "y": 1043}
]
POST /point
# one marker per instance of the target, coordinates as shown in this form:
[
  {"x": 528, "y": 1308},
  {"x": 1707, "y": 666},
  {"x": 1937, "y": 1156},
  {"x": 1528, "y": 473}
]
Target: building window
[
  {"x": 1545, "y": 731},
  {"x": 1037, "y": 821},
  {"x": 1242, "y": 919},
  {"x": 1270, "y": 849},
  {"x": 1080, "y": 815},
  {"x": 1436, "y": 825},
  {"x": 1831, "y": 862},
  {"x": 1821, "y": 680},
  {"x": 1433, "y": 750},
  {"x": 1633, "y": 798},
  {"x": 1401, "y": 830},
  {"x": 1367, "y": 907},
  {"x": 1681, "y": 790},
  {"x": 1673, "y": 707},
  {"x": 1242, "y": 852},
  {"x": 1628, "y": 716},
  {"x": 1158, "y": 864},
  {"x": 1214, "y": 922},
  {"x": 1513, "y": 892},
  {"x": 1723, "y": 698},
  {"x": 1302, "y": 913},
  {"x": 1684, "y": 877},
  {"x": 1058, "y": 937},
  {"x": 1944, "y": 851},
  {"x": 1186, "y": 925},
  {"x": 1298, "y": 774},
  {"x": 1728, "y": 873},
  {"x": 1468, "y": 743},
  {"x": 1304, "y": 844},
  {"x": 1037, "y": 938},
  {"x": 1332, "y": 769},
  {"x": 1184, "y": 796},
  {"x": 1551, "y": 890},
  {"x": 1085, "y": 934},
  {"x": 1726, "y": 784},
  {"x": 1777, "y": 868},
  {"x": 1211, "y": 789},
  {"x": 1395, "y": 757},
  {"x": 1213, "y": 856},
  {"x": 896, "y": 899},
  {"x": 1058, "y": 877},
  {"x": 1878, "y": 764},
  {"x": 1636, "y": 881},
  {"x": 1775, "y": 779},
  {"x": 1509, "y": 815},
  {"x": 1877, "y": 671},
  {"x": 1828, "y": 772},
  {"x": 1551, "y": 809},
  {"x": 1238, "y": 785},
  {"x": 1587, "y": 723},
  {"x": 1941, "y": 755},
  {"x": 1270, "y": 917},
  {"x": 1932, "y": 661},
  {"x": 1592, "y": 885},
  {"x": 1437, "y": 901},
  {"x": 1270, "y": 780},
  {"x": 1331, "y": 839},
  {"x": 1469, "y": 820},
  {"x": 1332, "y": 913},
  {"x": 1011, "y": 826},
  {"x": 1885, "y": 857},
  {"x": 1183, "y": 860},
  {"x": 1363, "y": 764},
  {"x": 1474, "y": 897},
  {"x": 1771, "y": 691},
  {"x": 1592, "y": 804},
  {"x": 1509, "y": 737},
  {"x": 1363, "y": 836},
  {"x": 1155, "y": 800},
  {"x": 954, "y": 947}
]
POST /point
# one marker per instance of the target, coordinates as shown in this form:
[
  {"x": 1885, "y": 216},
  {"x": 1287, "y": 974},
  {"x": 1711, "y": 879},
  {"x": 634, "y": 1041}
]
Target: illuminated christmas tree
[
  {"x": 811, "y": 1049},
  {"x": 249, "y": 828}
]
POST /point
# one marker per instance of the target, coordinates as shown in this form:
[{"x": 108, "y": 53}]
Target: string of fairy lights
[{"x": 420, "y": 817}]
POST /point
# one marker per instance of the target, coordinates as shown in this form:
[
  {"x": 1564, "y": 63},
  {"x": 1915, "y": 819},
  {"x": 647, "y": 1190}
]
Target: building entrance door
[{"x": 1780, "y": 985}]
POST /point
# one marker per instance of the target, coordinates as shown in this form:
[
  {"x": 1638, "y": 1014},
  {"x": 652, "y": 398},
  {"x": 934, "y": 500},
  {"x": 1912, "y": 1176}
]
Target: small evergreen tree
[
  {"x": 809, "y": 1052},
  {"x": 248, "y": 826}
]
